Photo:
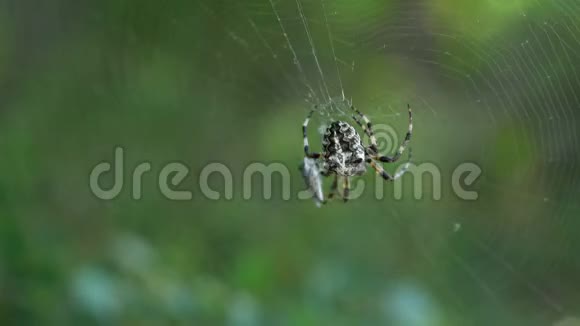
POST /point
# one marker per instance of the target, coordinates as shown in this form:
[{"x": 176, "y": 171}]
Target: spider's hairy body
[
  {"x": 344, "y": 154},
  {"x": 344, "y": 151}
]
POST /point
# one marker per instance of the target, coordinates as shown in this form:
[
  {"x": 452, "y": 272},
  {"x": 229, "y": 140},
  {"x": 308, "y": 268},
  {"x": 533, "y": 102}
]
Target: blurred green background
[{"x": 491, "y": 82}]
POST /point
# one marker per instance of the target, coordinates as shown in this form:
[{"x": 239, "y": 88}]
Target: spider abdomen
[{"x": 344, "y": 152}]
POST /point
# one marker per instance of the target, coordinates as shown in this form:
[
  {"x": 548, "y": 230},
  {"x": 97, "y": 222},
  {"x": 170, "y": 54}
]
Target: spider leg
[
  {"x": 333, "y": 188},
  {"x": 404, "y": 144},
  {"x": 306, "y": 145},
  {"x": 382, "y": 172},
  {"x": 346, "y": 189},
  {"x": 357, "y": 120},
  {"x": 367, "y": 132},
  {"x": 367, "y": 128}
]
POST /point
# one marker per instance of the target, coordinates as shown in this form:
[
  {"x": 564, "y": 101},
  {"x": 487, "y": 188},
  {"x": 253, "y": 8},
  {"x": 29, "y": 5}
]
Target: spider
[{"x": 345, "y": 155}]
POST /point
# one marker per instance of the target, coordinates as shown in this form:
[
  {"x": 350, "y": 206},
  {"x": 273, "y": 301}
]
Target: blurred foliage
[
  {"x": 198, "y": 82},
  {"x": 482, "y": 20}
]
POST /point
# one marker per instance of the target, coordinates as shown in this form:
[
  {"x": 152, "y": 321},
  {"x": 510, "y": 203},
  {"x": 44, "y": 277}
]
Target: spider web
[{"x": 482, "y": 89}]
